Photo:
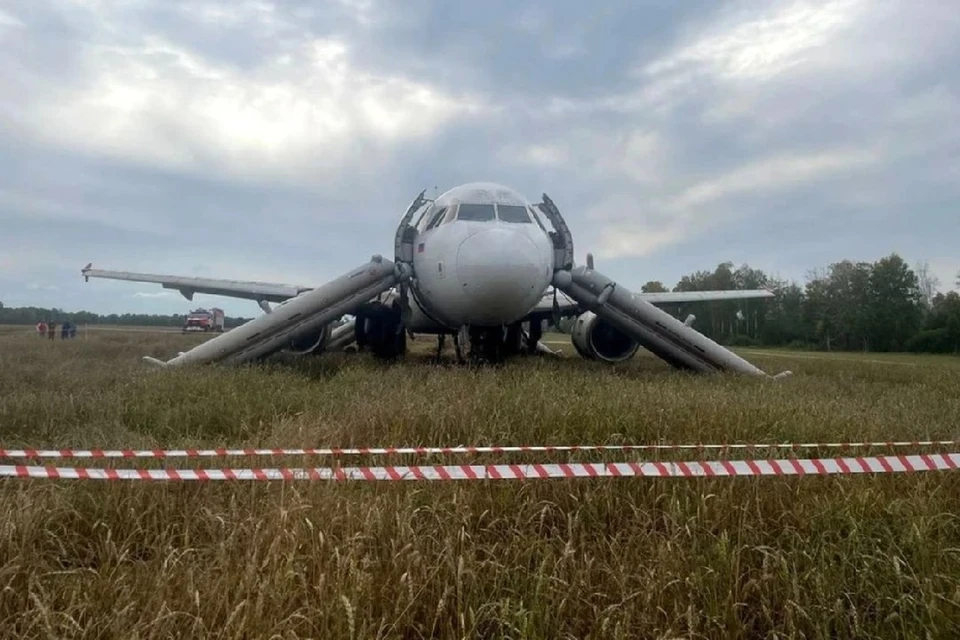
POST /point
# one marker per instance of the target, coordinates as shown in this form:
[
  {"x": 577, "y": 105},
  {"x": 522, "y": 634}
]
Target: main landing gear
[
  {"x": 493, "y": 345},
  {"x": 379, "y": 328}
]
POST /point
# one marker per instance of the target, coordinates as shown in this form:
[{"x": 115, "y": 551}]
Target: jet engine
[
  {"x": 311, "y": 343},
  {"x": 596, "y": 339}
]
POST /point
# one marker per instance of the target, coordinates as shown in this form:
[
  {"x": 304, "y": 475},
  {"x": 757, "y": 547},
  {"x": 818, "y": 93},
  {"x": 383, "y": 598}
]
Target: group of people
[{"x": 49, "y": 330}]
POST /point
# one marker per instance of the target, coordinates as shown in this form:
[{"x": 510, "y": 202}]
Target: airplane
[{"x": 479, "y": 263}]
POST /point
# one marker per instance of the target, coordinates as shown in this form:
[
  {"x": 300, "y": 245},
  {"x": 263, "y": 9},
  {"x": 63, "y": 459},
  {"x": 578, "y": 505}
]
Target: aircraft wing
[
  {"x": 568, "y": 306},
  {"x": 672, "y": 297},
  {"x": 187, "y": 286}
]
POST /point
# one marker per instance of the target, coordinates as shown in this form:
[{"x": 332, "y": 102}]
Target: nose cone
[{"x": 502, "y": 275}]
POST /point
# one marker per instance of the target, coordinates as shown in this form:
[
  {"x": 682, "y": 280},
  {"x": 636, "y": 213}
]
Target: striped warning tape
[
  {"x": 379, "y": 451},
  {"x": 721, "y": 468}
]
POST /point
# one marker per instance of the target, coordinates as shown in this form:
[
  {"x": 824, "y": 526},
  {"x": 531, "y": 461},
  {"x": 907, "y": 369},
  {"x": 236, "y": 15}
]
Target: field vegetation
[{"x": 816, "y": 557}]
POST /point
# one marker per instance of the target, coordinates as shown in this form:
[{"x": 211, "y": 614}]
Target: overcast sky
[{"x": 282, "y": 141}]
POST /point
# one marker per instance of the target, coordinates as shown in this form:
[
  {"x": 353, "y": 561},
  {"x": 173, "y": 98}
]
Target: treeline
[
  {"x": 855, "y": 306},
  {"x": 33, "y": 315},
  {"x": 861, "y": 306}
]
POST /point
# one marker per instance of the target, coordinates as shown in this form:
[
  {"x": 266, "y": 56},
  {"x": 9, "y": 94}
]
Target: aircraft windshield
[
  {"x": 513, "y": 213},
  {"x": 478, "y": 212},
  {"x": 536, "y": 218},
  {"x": 436, "y": 218}
]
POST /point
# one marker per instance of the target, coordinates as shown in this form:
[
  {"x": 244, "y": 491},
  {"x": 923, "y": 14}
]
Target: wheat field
[{"x": 774, "y": 557}]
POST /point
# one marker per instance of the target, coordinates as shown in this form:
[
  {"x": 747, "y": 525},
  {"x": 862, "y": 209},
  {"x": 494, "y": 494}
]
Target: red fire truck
[{"x": 204, "y": 320}]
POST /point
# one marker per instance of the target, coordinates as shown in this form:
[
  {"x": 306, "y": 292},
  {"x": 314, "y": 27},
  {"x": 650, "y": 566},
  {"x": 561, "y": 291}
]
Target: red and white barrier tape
[
  {"x": 721, "y": 468},
  {"x": 379, "y": 451}
]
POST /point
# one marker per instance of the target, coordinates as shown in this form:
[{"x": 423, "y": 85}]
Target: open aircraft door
[{"x": 656, "y": 330}]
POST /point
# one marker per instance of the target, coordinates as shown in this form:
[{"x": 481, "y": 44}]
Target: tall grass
[{"x": 844, "y": 557}]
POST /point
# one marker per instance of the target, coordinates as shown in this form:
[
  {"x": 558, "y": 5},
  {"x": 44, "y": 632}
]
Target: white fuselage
[{"x": 482, "y": 258}]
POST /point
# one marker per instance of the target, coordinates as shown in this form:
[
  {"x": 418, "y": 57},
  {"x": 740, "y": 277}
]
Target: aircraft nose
[{"x": 502, "y": 274}]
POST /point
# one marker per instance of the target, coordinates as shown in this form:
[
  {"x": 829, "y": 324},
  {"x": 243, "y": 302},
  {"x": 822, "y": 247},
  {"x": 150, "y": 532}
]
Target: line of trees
[
  {"x": 864, "y": 306},
  {"x": 33, "y": 315}
]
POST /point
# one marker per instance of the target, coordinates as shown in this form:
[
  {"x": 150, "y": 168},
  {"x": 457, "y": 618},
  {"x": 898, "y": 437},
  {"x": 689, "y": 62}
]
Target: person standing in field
[
  {"x": 42, "y": 329},
  {"x": 65, "y": 330},
  {"x": 52, "y": 330}
]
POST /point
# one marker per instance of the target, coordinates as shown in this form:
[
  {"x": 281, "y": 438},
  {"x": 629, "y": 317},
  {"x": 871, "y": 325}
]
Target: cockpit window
[
  {"x": 513, "y": 213},
  {"x": 536, "y": 217},
  {"x": 437, "y": 217},
  {"x": 423, "y": 214},
  {"x": 478, "y": 212}
]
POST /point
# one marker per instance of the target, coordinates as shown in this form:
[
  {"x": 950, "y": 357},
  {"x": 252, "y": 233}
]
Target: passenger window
[
  {"x": 437, "y": 217},
  {"x": 477, "y": 212},
  {"x": 512, "y": 213}
]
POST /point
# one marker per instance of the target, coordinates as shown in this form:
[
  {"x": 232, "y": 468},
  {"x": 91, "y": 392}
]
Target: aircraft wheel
[
  {"x": 513, "y": 343},
  {"x": 366, "y": 324},
  {"x": 536, "y": 332},
  {"x": 487, "y": 346},
  {"x": 384, "y": 331}
]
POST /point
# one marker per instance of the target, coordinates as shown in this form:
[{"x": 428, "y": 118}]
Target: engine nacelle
[
  {"x": 311, "y": 343},
  {"x": 596, "y": 339}
]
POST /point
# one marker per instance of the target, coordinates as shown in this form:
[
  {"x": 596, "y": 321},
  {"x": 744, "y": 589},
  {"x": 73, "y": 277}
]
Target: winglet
[
  {"x": 782, "y": 375},
  {"x": 89, "y": 266},
  {"x": 154, "y": 361}
]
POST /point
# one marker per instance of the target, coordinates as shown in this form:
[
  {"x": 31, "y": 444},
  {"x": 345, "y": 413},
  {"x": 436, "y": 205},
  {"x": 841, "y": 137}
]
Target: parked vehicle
[{"x": 204, "y": 320}]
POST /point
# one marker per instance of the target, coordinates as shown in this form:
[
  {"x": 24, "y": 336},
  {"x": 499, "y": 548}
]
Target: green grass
[{"x": 844, "y": 557}]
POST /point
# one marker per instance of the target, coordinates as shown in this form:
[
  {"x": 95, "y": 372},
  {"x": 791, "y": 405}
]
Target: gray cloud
[{"x": 282, "y": 140}]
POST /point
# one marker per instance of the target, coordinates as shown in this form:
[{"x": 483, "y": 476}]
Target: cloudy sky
[{"x": 282, "y": 140}]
